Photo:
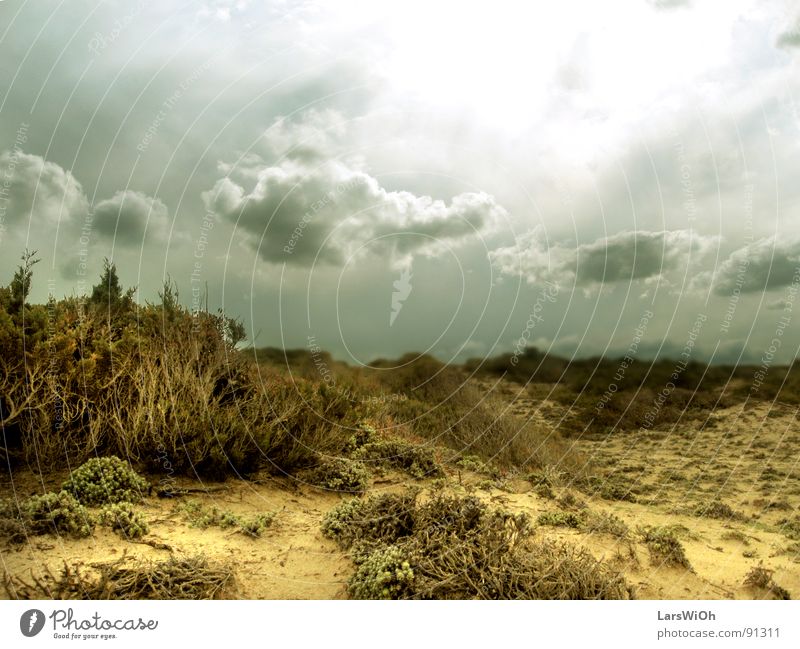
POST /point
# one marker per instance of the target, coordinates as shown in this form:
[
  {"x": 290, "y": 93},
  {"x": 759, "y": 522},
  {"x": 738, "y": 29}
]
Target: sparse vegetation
[{"x": 202, "y": 517}]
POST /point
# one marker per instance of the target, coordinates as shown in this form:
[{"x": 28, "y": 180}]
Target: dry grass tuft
[{"x": 174, "y": 578}]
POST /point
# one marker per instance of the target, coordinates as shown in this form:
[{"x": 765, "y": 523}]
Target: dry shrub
[
  {"x": 452, "y": 547},
  {"x": 762, "y": 578},
  {"x": 606, "y": 523},
  {"x": 384, "y": 518},
  {"x": 160, "y": 386},
  {"x": 191, "y": 578},
  {"x": 483, "y": 567},
  {"x": 719, "y": 510}
]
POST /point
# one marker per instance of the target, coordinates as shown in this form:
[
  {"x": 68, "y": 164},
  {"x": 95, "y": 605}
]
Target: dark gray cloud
[
  {"x": 310, "y": 206},
  {"x": 625, "y": 256},
  {"x": 128, "y": 215},
  {"x": 768, "y": 264}
]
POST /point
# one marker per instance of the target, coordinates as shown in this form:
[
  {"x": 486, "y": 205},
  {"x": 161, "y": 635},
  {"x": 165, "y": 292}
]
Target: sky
[{"x": 376, "y": 178}]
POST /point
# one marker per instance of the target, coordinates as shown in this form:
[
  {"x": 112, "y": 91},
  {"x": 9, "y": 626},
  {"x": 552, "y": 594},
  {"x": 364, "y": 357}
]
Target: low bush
[
  {"x": 257, "y": 525},
  {"x": 454, "y": 547},
  {"x": 417, "y": 461},
  {"x": 124, "y": 520},
  {"x": 364, "y": 434},
  {"x": 105, "y": 480},
  {"x": 606, "y": 523},
  {"x": 339, "y": 474},
  {"x": 51, "y": 513},
  {"x": 717, "y": 509},
  {"x": 561, "y": 519},
  {"x": 384, "y": 574},
  {"x": 664, "y": 546}
]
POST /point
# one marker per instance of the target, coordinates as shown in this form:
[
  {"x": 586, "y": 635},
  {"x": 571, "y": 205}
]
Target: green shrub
[
  {"x": 664, "y": 546},
  {"x": 255, "y": 526},
  {"x": 53, "y": 513},
  {"x": 417, "y": 461},
  {"x": 790, "y": 527},
  {"x": 203, "y": 517},
  {"x": 384, "y": 574},
  {"x": 561, "y": 519},
  {"x": 364, "y": 434},
  {"x": 125, "y": 520},
  {"x": 104, "y": 480},
  {"x": 340, "y": 474}
]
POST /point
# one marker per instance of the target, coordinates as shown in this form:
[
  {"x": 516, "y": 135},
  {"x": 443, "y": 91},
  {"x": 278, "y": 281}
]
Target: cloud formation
[
  {"x": 764, "y": 265},
  {"x": 622, "y": 257},
  {"x": 128, "y": 215},
  {"x": 669, "y": 4},
  {"x": 38, "y": 191},
  {"x": 310, "y": 206},
  {"x": 790, "y": 38}
]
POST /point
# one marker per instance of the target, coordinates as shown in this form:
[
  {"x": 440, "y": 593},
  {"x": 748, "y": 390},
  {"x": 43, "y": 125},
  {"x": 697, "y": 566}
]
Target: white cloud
[
  {"x": 39, "y": 192},
  {"x": 309, "y": 205}
]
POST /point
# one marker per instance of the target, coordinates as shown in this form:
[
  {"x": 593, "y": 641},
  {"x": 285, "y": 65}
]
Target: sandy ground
[{"x": 746, "y": 457}]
